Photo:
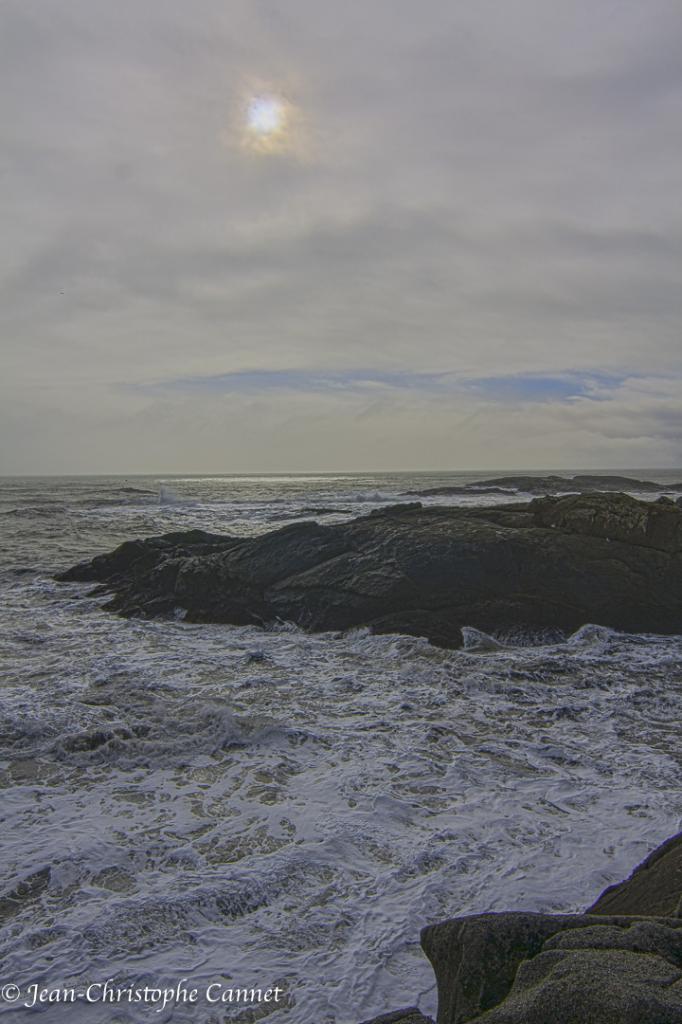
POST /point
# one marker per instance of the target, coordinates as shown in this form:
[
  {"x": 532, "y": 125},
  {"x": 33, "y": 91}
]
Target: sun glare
[
  {"x": 268, "y": 122},
  {"x": 266, "y": 115}
]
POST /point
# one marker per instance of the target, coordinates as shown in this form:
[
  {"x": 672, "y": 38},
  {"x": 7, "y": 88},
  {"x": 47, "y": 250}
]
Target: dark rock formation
[
  {"x": 410, "y": 1015},
  {"x": 654, "y": 887},
  {"x": 314, "y": 510},
  {"x": 615, "y": 517},
  {"x": 552, "y": 563},
  {"x": 619, "y": 963},
  {"x": 467, "y": 489},
  {"x": 135, "y": 557},
  {"x": 584, "y": 484},
  {"x": 324, "y": 511},
  {"x": 557, "y": 969}
]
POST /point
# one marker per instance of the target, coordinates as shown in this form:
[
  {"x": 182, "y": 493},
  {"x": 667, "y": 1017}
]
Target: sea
[{"x": 240, "y": 808}]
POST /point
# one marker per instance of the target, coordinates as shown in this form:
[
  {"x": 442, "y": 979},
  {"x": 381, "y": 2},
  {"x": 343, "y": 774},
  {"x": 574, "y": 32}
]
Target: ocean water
[{"x": 255, "y": 808}]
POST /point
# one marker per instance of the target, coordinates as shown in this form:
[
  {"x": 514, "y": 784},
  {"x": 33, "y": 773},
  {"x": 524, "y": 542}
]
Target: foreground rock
[
  {"x": 557, "y": 969},
  {"x": 654, "y": 887},
  {"x": 584, "y": 484},
  {"x": 619, "y": 963},
  {"x": 552, "y": 563}
]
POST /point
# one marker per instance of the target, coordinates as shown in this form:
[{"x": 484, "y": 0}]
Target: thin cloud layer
[{"x": 467, "y": 253}]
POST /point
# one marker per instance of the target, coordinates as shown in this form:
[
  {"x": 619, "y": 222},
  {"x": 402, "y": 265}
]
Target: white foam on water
[{"x": 284, "y": 808}]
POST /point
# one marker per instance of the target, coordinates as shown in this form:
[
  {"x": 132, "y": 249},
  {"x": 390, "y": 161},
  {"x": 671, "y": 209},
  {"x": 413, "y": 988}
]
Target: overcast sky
[{"x": 464, "y": 249}]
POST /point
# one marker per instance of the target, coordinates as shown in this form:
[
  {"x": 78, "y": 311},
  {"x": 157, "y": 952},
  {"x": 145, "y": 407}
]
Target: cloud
[
  {"x": 480, "y": 210},
  {"x": 517, "y": 388}
]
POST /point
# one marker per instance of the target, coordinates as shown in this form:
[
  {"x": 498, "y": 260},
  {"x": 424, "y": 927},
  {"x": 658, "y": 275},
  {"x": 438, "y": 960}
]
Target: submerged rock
[
  {"x": 26, "y": 891},
  {"x": 410, "y": 1015},
  {"x": 554, "y": 563}
]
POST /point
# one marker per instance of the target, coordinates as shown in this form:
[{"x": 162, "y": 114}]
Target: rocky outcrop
[
  {"x": 654, "y": 887},
  {"x": 553, "y": 484},
  {"x": 551, "y": 563},
  {"x": 615, "y": 517},
  {"x": 557, "y": 969},
  {"x": 619, "y": 963}
]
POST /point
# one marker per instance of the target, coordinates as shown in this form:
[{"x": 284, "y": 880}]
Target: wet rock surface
[
  {"x": 557, "y": 969},
  {"x": 654, "y": 887},
  {"x": 410, "y": 1015},
  {"x": 552, "y": 563},
  {"x": 619, "y": 963}
]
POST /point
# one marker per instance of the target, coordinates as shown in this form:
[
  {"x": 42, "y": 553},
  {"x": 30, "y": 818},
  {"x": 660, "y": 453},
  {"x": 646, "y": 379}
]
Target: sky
[{"x": 460, "y": 248}]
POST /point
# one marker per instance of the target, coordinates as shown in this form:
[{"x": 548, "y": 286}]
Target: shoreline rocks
[
  {"x": 654, "y": 887},
  {"x": 618, "y": 963},
  {"x": 552, "y": 563}
]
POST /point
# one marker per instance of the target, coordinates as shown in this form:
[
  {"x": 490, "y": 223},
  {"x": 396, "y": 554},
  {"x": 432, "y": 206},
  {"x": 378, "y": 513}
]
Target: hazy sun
[
  {"x": 266, "y": 115},
  {"x": 266, "y": 122}
]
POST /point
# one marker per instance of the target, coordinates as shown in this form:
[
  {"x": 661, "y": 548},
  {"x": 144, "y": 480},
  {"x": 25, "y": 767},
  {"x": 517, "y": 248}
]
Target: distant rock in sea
[
  {"x": 553, "y": 563},
  {"x": 582, "y": 484}
]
